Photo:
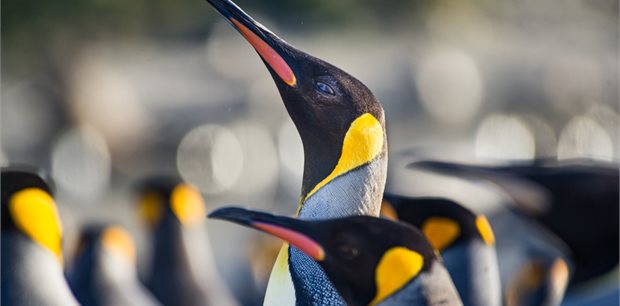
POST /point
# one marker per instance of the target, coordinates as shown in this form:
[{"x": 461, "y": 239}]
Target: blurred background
[{"x": 103, "y": 93}]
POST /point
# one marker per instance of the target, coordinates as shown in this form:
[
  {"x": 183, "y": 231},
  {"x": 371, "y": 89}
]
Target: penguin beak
[
  {"x": 445, "y": 168},
  {"x": 267, "y": 45},
  {"x": 295, "y": 232}
]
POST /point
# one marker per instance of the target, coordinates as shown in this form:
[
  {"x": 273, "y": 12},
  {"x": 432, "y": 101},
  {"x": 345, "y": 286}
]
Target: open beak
[
  {"x": 268, "y": 45},
  {"x": 295, "y": 232}
]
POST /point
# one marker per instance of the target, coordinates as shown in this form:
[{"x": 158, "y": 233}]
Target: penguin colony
[{"x": 349, "y": 243}]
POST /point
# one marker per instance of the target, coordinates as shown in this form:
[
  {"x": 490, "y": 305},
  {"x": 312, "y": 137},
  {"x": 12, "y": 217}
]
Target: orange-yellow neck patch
[
  {"x": 441, "y": 232},
  {"x": 187, "y": 205},
  {"x": 485, "y": 230},
  {"x": 387, "y": 211},
  {"x": 362, "y": 143},
  {"x": 117, "y": 240},
  {"x": 151, "y": 208},
  {"x": 559, "y": 275},
  {"x": 35, "y": 214},
  {"x": 395, "y": 269}
]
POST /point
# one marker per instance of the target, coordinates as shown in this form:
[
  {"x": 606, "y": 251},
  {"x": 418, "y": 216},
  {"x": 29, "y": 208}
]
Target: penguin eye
[
  {"x": 348, "y": 252},
  {"x": 324, "y": 88}
]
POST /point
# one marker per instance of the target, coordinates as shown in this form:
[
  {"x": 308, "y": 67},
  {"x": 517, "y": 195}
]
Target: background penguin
[
  {"x": 104, "y": 269},
  {"x": 371, "y": 261},
  {"x": 577, "y": 200},
  {"x": 535, "y": 265},
  {"x": 181, "y": 269},
  {"x": 31, "y": 246},
  {"x": 342, "y": 129},
  {"x": 538, "y": 283},
  {"x": 465, "y": 240}
]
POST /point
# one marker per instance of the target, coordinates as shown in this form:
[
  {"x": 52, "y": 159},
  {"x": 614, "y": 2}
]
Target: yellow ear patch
[
  {"x": 34, "y": 213},
  {"x": 362, "y": 143},
  {"x": 441, "y": 232},
  {"x": 395, "y": 269},
  {"x": 187, "y": 205},
  {"x": 151, "y": 208},
  {"x": 117, "y": 240},
  {"x": 485, "y": 230}
]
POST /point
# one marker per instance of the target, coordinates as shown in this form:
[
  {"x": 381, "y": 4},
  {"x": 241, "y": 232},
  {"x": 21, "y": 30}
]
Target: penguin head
[
  {"x": 98, "y": 240},
  {"x": 340, "y": 121},
  {"x": 169, "y": 198},
  {"x": 367, "y": 259},
  {"x": 445, "y": 223},
  {"x": 29, "y": 209}
]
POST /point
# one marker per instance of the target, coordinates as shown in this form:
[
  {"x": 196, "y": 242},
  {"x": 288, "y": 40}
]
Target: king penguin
[
  {"x": 181, "y": 270},
  {"x": 465, "y": 240},
  {"x": 31, "y": 265},
  {"x": 104, "y": 269},
  {"x": 370, "y": 261},
  {"x": 342, "y": 129},
  {"x": 577, "y": 200}
]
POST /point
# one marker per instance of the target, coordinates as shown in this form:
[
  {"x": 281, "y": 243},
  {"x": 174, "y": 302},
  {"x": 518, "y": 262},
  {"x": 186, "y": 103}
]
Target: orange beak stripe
[
  {"x": 300, "y": 241},
  {"x": 275, "y": 61}
]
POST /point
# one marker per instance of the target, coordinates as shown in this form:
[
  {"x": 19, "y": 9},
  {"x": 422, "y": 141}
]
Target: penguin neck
[
  {"x": 170, "y": 254},
  {"x": 346, "y": 170},
  {"x": 176, "y": 265},
  {"x": 474, "y": 270},
  {"x": 25, "y": 266},
  {"x": 433, "y": 287},
  {"x": 99, "y": 277},
  {"x": 312, "y": 286},
  {"x": 356, "y": 192},
  {"x": 115, "y": 270}
]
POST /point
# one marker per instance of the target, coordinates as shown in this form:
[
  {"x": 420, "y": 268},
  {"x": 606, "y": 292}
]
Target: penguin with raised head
[
  {"x": 465, "y": 240},
  {"x": 104, "y": 269},
  {"x": 369, "y": 260},
  {"x": 181, "y": 268},
  {"x": 31, "y": 242},
  {"x": 342, "y": 129},
  {"x": 577, "y": 200}
]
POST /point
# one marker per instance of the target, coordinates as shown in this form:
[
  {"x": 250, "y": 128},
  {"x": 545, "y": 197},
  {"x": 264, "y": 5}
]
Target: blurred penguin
[
  {"x": 577, "y": 200},
  {"x": 104, "y": 269},
  {"x": 181, "y": 269},
  {"x": 31, "y": 242},
  {"x": 465, "y": 240}
]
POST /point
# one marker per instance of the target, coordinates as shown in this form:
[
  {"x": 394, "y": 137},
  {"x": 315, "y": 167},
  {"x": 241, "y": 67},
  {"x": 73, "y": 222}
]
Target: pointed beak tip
[
  {"x": 226, "y": 213},
  {"x": 254, "y": 33}
]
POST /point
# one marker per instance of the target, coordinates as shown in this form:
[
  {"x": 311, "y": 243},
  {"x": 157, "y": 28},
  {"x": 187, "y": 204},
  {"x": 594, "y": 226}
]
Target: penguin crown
[{"x": 163, "y": 197}]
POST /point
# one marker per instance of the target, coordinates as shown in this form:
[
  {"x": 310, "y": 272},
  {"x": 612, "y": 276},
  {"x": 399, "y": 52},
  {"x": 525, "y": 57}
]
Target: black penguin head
[
  {"x": 160, "y": 198},
  {"x": 367, "y": 259},
  {"x": 445, "y": 223},
  {"x": 98, "y": 239},
  {"x": 28, "y": 208},
  {"x": 334, "y": 112}
]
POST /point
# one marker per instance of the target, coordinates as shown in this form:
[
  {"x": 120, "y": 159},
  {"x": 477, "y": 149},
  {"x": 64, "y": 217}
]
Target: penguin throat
[
  {"x": 312, "y": 286},
  {"x": 362, "y": 143},
  {"x": 357, "y": 192}
]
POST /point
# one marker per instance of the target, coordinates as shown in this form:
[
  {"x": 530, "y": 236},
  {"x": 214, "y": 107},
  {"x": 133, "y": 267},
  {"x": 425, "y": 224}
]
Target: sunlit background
[{"x": 103, "y": 93}]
